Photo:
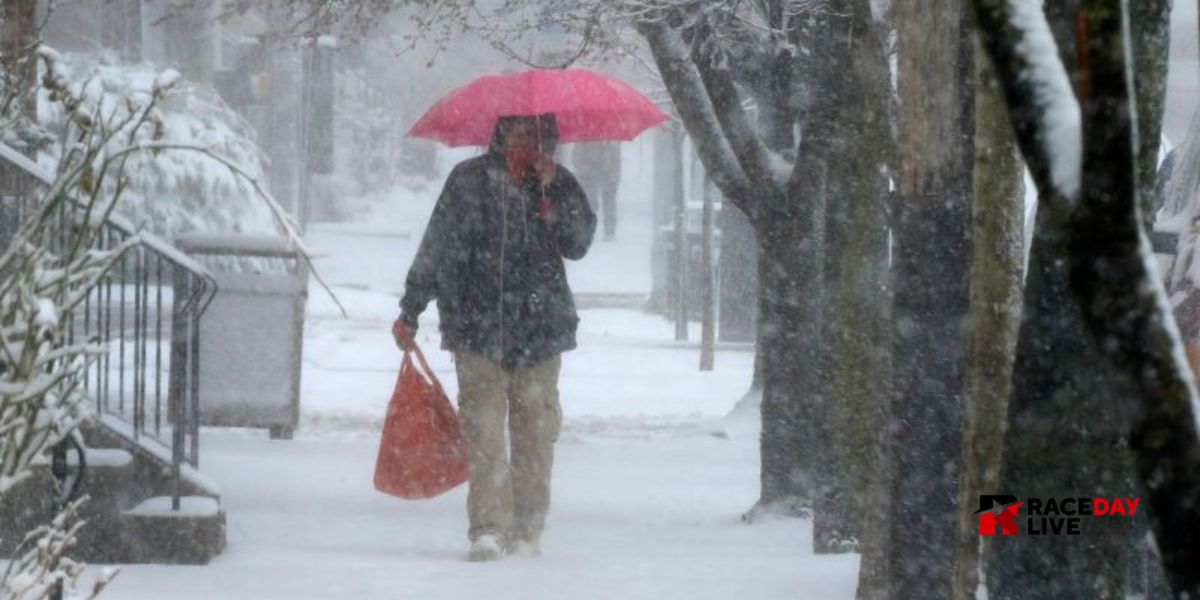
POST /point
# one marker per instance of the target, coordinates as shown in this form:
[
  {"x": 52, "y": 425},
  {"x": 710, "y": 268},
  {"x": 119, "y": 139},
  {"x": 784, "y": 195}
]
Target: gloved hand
[{"x": 406, "y": 337}]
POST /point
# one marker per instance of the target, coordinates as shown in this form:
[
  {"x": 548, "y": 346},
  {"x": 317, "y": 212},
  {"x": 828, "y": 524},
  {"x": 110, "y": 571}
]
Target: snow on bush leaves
[{"x": 173, "y": 192}]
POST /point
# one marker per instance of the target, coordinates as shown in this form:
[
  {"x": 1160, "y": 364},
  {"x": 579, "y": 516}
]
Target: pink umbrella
[{"x": 588, "y": 106}]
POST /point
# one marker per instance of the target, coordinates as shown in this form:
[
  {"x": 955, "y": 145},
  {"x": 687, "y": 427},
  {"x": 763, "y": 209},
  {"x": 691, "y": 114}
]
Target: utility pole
[
  {"x": 707, "y": 288},
  {"x": 681, "y": 250}
]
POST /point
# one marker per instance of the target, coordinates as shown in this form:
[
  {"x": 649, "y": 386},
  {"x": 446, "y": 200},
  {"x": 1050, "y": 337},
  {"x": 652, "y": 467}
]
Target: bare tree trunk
[
  {"x": 1064, "y": 438},
  {"x": 701, "y": 85},
  {"x": 789, "y": 318},
  {"x": 773, "y": 93},
  {"x": 1150, "y": 28},
  {"x": 1108, "y": 254},
  {"x": 791, "y": 276},
  {"x": 851, "y": 71},
  {"x": 998, "y": 226},
  {"x": 19, "y": 60},
  {"x": 931, "y": 274},
  {"x": 1150, "y": 32}
]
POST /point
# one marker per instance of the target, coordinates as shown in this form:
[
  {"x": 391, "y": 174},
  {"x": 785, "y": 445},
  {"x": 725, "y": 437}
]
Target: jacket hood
[{"x": 547, "y": 131}]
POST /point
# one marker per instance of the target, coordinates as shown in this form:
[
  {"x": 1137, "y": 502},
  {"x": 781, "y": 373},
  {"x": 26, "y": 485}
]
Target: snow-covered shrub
[{"x": 171, "y": 192}]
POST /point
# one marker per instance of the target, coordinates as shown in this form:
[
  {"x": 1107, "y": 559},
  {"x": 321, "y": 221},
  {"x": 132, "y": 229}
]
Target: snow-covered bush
[{"x": 171, "y": 192}]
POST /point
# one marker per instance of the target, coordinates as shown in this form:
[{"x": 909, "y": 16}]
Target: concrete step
[
  {"x": 126, "y": 517},
  {"x": 192, "y": 535},
  {"x": 108, "y": 484}
]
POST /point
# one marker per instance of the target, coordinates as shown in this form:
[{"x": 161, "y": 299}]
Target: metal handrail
[{"x": 153, "y": 272}]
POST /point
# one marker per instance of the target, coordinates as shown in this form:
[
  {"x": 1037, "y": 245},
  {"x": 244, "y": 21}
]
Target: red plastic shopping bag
[{"x": 422, "y": 452}]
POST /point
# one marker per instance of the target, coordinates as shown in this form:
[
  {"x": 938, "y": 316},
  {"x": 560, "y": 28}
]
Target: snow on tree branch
[
  {"x": 1041, "y": 90},
  {"x": 693, "y": 102}
]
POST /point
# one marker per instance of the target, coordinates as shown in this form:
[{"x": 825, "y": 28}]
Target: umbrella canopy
[{"x": 588, "y": 106}]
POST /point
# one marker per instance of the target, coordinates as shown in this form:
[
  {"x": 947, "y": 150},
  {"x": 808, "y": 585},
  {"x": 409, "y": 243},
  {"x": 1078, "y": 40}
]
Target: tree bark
[
  {"x": 997, "y": 263},
  {"x": 1098, "y": 245},
  {"x": 786, "y": 223},
  {"x": 18, "y": 64},
  {"x": 1062, "y": 440},
  {"x": 792, "y": 295},
  {"x": 851, "y": 71},
  {"x": 1108, "y": 254},
  {"x": 1150, "y": 31},
  {"x": 789, "y": 326},
  {"x": 693, "y": 102},
  {"x": 931, "y": 273}
]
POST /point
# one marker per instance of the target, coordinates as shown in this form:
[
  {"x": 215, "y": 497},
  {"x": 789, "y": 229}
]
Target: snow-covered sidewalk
[
  {"x": 646, "y": 503},
  {"x": 646, "y": 500},
  {"x": 652, "y": 515}
]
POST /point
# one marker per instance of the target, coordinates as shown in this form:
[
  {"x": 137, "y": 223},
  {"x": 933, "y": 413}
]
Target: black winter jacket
[{"x": 495, "y": 265}]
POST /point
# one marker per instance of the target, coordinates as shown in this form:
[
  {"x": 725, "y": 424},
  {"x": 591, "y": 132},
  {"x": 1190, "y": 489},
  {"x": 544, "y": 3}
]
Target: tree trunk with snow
[
  {"x": 931, "y": 273},
  {"x": 997, "y": 263},
  {"x": 1090, "y": 271},
  {"x": 1058, "y": 402},
  {"x": 700, "y": 82},
  {"x": 1150, "y": 29},
  {"x": 790, "y": 280},
  {"x": 791, "y": 295}
]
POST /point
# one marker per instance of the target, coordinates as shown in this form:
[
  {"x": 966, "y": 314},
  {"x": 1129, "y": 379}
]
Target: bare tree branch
[
  {"x": 694, "y": 104},
  {"x": 745, "y": 142}
]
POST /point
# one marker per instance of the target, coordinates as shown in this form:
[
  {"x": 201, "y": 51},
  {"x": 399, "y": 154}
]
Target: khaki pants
[{"x": 508, "y": 499}]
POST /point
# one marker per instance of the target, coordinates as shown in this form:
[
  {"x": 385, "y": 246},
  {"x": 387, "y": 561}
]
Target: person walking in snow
[{"x": 492, "y": 256}]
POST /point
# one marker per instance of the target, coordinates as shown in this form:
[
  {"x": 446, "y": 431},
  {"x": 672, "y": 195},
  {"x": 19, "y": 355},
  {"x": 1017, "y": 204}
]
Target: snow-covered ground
[
  {"x": 635, "y": 515},
  {"x": 649, "y": 479}
]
